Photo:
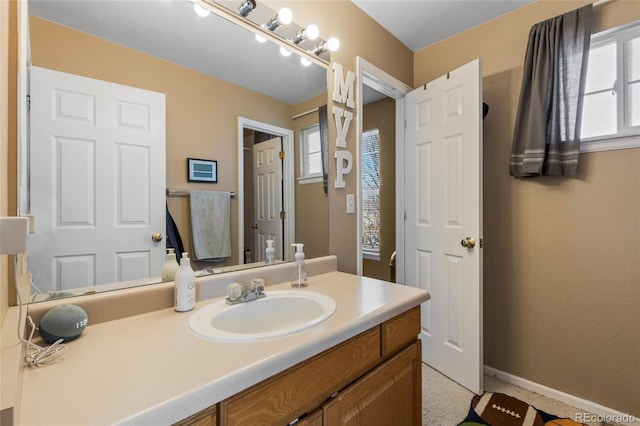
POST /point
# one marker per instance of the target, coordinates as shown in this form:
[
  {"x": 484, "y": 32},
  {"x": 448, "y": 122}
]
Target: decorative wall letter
[
  {"x": 342, "y": 126},
  {"x": 343, "y": 94},
  {"x": 343, "y": 88},
  {"x": 344, "y": 163}
]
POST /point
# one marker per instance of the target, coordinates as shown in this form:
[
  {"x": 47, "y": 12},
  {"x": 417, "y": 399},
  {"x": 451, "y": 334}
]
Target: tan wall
[
  {"x": 359, "y": 36},
  {"x": 201, "y": 111},
  {"x": 4, "y": 146},
  {"x": 312, "y": 204},
  {"x": 382, "y": 115},
  {"x": 8, "y": 137},
  {"x": 561, "y": 274}
]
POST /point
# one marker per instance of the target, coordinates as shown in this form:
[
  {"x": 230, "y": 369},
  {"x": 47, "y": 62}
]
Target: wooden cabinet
[
  {"x": 205, "y": 417},
  {"x": 389, "y": 395},
  {"x": 373, "y": 378}
]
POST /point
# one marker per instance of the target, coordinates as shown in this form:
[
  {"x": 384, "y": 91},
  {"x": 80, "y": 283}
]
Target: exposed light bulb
[
  {"x": 285, "y": 16},
  {"x": 312, "y": 32},
  {"x": 200, "y": 11},
  {"x": 284, "y": 51},
  {"x": 304, "y": 61},
  {"x": 333, "y": 44}
]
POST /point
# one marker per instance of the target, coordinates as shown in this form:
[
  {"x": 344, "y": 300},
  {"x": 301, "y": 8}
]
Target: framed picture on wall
[{"x": 202, "y": 170}]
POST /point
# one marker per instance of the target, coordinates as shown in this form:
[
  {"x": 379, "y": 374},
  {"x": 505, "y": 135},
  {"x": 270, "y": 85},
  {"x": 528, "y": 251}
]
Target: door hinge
[
  {"x": 481, "y": 243},
  {"x": 281, "y": 155},
  {"x": 28, "y": 102},
  {"x": 283, "y": 215}
]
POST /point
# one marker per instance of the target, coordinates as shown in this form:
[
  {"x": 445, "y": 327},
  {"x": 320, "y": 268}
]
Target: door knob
[
  {"x": 254, "y": 226},
  {"x": 157, "y": 237},
  {"x": 468, "y": 242}
]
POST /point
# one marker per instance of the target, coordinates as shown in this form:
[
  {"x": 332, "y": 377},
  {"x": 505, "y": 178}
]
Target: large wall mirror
[{"x": 213, "y": 75}]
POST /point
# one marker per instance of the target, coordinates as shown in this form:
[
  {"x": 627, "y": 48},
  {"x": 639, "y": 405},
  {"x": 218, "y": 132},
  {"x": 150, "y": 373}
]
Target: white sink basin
[{"x": 280, "y": 313}]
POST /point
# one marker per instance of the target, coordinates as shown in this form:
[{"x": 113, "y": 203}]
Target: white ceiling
[
  {"x": 170, "y": 30},
  {"x": 420, "y": 23}
]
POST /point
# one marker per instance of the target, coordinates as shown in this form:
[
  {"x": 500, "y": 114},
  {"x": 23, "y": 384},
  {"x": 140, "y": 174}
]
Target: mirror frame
[{"x": 288, "y": 135}]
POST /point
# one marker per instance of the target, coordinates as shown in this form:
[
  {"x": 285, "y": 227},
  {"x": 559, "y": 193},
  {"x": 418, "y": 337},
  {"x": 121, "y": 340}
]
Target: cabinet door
[
  {"x": 205, "y": 417},
  {"x": 313, "y": 419},
  {"x": 389, "y": 395}
]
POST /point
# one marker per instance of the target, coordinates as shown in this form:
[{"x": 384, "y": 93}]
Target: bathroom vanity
[{"x": 150, "y": 369}]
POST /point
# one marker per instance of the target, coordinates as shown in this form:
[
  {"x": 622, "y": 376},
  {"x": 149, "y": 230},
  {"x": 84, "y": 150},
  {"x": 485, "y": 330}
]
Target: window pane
[
  {"x": 370, "y": 220},
  {"x": 599, "y": 115},
  {"x": 314, "y": 164},
  {"x": 601, "y": 71},
  {"x": 313, "y": 140},
  {"x": 633, "y": 59},
  {"x": 633, "y": 104}
]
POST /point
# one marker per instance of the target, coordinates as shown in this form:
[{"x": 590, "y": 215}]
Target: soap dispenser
[
  {"x": 185, "y": 286},
  {"x": 299, "y": 277},
  {"x": 170, "y": 267},
  {"x": 270, "y": 253}
]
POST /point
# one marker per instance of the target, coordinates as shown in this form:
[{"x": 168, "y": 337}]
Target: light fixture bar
[{"x": 231, "y": 16}]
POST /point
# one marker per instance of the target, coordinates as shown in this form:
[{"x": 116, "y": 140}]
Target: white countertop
[{"x": 149, "y": 369}]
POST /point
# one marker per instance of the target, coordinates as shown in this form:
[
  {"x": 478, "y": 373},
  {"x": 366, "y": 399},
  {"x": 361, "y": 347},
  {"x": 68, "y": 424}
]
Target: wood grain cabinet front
[
  {"x": 373, "y": 379},
  {"x": 206, "y": 417},
  {"x": 389, "y": 395}
]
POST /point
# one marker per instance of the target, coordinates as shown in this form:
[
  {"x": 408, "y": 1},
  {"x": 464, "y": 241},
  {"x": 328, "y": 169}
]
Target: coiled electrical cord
[{"x": 35, "y": 354}]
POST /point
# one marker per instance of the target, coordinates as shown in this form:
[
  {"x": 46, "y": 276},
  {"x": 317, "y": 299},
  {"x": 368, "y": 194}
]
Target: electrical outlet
[{"x": 351, "y": 203}]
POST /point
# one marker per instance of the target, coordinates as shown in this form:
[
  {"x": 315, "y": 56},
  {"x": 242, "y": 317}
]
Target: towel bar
[{"x": 186, "y": 192}]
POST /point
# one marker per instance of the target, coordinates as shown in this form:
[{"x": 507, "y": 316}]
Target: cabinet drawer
[
  {"x": 400, "y": 331},
  {"x": 205, "y": 417},
  {"x": 304, "y": 386}
]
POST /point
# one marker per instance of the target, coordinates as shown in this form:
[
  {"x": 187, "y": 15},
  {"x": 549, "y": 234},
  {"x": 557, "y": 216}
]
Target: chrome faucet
[{"x": 238, "y": 293}]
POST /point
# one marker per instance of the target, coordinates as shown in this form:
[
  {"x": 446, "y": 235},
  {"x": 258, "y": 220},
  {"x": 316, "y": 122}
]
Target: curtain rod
[
  {"x": 186, "y": 192},
  {"x": 302, "y": 114},
  {"x": 601, "y": 2}
]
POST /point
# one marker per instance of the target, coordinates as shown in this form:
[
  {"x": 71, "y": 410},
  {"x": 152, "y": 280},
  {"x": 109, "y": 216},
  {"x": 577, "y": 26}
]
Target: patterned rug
[{"x": 497, "y": 409}]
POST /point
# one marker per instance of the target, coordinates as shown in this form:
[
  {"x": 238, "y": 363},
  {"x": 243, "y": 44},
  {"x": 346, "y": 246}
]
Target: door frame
[
  {"x": 288, "y": 197},
  {"x": 376, "y": 78}
]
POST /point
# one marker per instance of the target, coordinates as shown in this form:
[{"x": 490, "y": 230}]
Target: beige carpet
[{"x": 445, "y": 403}]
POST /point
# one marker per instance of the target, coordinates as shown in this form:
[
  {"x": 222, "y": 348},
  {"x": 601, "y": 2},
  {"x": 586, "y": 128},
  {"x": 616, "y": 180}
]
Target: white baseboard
[{"x": 600, "y": 412}]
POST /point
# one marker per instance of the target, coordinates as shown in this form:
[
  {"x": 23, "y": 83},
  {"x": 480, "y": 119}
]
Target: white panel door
[
  {"x": 267, "y": 193},
  {"x": 443, "y": 193},
  {"x": 97, "y": 181}
]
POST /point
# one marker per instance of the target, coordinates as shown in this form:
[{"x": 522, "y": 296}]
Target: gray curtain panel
[
  {"x": 323, "y": 121},
  {"x": 546, "y": 139}
]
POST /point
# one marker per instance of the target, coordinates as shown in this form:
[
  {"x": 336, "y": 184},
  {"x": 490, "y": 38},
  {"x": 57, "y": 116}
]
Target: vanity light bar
[{"x": 231, "y": 16}]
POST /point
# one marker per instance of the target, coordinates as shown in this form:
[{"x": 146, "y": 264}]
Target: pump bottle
[
  {"x": 270, "y": 253},
  {"x": 299, "y": 277},
  {"x": 170, "y": 267},
  {"x": 185, "y": 286}
]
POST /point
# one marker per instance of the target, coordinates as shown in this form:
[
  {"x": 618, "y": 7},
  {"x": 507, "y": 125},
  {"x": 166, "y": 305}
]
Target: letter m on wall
[{"x": 343, "y": 88}]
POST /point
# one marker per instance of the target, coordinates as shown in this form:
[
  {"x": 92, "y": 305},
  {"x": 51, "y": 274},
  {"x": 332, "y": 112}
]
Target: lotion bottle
[
  {"x": 170, "y": 266},
  {"x": 299, "y": 277},
  {"x": 270, "y": 253},
  {"x": 185, "y": 286}
]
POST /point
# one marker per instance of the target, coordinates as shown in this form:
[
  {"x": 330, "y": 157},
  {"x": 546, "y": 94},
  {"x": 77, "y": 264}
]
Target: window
[
  {"x": 371, "y": 194},
  {"x": 310, "y": 155},
  {"x": 611, "y": 110}
]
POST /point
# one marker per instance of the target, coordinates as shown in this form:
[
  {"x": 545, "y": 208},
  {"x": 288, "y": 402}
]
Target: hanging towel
[{"x": 210, "y": 225}]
